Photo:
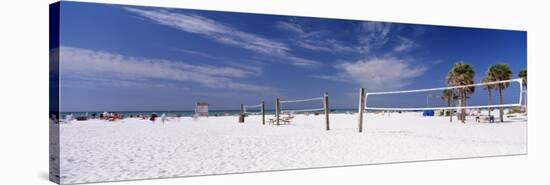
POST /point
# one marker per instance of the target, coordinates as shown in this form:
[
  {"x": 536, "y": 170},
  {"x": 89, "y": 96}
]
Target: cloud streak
[
  {"x": 405, "y": 44},
  {"x": 374, "y": 35},
  {"x": 91, "y": 64},
  {"x": 370, "y": 37},
  {"x": 313, "y": 40},
  {"x": 221, "y": 33}
]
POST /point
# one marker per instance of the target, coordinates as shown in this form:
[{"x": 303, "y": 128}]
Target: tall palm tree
[
  {"x": 523, "y": 75},
  {"x": 449, "y": 97},
  {"x": 462, "y": 74},
  {"x": 489, "y": 88},
  {"x": 499, "y": 72}
]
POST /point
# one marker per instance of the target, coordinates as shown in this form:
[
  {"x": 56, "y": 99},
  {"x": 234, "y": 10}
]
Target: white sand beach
[{"x": 98, "y": 150}]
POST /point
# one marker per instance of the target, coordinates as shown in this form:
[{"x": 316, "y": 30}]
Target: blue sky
[{"x": 144, "y": 58}]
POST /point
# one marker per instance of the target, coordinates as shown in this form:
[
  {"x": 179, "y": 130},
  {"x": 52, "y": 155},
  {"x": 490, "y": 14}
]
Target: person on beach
[
  {"x": 153, "y": 117},
  {"x": 163, "y": 118},
  {"x": 178, "y": 117}
]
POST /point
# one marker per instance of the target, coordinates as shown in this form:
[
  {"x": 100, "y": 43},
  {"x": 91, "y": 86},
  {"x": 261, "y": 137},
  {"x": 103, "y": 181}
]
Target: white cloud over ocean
[{"x": 91, "y": 65}]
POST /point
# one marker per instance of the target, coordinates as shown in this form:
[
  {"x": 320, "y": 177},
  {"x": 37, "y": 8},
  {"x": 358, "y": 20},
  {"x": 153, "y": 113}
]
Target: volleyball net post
[
  {"x": 263, "y": 113},
  {"x": 277, "y": 110},
  {"x": 241, "y": 114},
  {"x": 327, "y": 110},
  {"x": 361, "y": 108}
]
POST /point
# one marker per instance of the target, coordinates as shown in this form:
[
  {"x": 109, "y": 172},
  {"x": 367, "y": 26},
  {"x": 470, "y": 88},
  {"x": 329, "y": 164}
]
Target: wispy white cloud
[
  {"x": 404, "y": 44},
  {"x": 378, "y": 73},
  {"x": 288, "y": 26},
  {"x": 89, "y": 81},
  {"x": 128, "y": 70},
  {"x": 219, "y": 32},
  {"x": 200, "y": 54},
  {"x": 374, "y": 35},
  {"x": 213, "y": 29},
  {"x": 242, "y": 65},
  {"x": 370, "y": 36},
  {"x": 312, "y": 40},
  {"x": 330, "y": 45},
  {"x": 302, "y": 62}
]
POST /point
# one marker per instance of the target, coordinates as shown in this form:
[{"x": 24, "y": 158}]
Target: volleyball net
[
  {"x": 314, "y": 105},
  {"x": 252, "y": 109},
  {"x": 488, "y": 95},
  {"x": 473, "y": 99},
  {"x": 310, "y": 105}
]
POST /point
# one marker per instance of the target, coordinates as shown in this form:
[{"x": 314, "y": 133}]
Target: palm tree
[
  {"x": 523, "y": 75},
  {"x": 449, "y": 97},
  {"x": 499, "y": 72},
  {"x": 489, "y": 88},
  {"x": 462, "y": 74}
]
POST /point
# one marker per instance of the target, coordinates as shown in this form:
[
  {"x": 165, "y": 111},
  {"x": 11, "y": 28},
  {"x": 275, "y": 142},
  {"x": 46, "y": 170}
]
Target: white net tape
[
  {"x": 258, "y": 107},
  {"x": 303, "y": 110},
  {"x": 300, "y": 101},
  {"x": 253, "y": 106},
  {"x": 516, "y": 104}
]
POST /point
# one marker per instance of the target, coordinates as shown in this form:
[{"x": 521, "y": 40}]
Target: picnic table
[{"x": 283, "y": 120}]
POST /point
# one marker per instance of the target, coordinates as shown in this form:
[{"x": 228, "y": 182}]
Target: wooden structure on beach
[
  {"x": 243, "y": 111},
  {"x": 325, "y": 109},
  {"x": 201, "y": 109}
]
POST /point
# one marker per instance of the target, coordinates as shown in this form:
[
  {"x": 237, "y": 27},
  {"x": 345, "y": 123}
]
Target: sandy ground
[{"x": 97, "y": 150}]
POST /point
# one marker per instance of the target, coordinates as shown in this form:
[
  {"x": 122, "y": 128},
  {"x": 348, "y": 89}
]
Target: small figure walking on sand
[{"x": 163, "y": 118}]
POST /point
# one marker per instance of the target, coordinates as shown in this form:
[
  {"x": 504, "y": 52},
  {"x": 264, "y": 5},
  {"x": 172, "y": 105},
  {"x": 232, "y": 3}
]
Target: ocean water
[{"x": 187, "y": 113}]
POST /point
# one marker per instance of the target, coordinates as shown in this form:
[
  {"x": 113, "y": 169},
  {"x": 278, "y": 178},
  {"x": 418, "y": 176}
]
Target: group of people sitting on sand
[
  {"x": 154, "y": 116},
  {"x": 479, "y": 118},
  {"x": 110, "y": 116}
]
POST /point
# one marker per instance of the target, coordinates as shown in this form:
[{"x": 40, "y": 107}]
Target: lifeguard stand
[{"x": 201, "y": 109}]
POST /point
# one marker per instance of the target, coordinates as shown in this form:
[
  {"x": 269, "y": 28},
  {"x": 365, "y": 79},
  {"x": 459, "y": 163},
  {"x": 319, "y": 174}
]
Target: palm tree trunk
[
  {"x": 449, "y": 104},
  {"x": 457, "y": 112},
  {"x": 464, "y": 114},
  {"x": 490, "y": 102},
  {"x": 463, "y": 111},
  {"x": 501, "y": 108}
]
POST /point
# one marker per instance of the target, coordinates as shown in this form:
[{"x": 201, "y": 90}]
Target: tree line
[{"x": 462, "y": 74}]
